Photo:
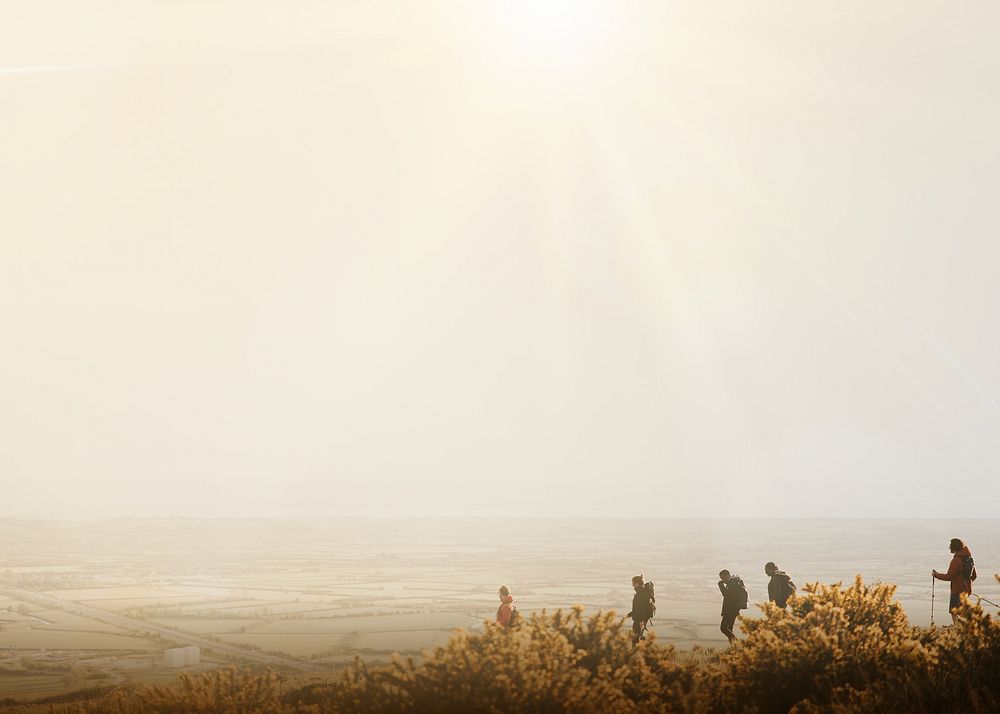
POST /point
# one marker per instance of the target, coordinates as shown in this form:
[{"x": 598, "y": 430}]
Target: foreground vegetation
[{"x": 836, "y": 649}]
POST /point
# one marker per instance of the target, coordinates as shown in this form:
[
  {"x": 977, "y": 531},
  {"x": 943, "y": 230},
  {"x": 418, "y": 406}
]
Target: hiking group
[{"x": 735, "y": 597}]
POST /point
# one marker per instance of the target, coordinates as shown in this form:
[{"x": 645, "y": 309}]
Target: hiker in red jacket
[
  {"x": 961, "y": 573},
  {"x": 506, "y": 613}
]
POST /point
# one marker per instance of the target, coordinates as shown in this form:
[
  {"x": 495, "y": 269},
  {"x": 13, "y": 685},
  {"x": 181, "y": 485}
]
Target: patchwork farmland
[{"x": 85, "y": 605}]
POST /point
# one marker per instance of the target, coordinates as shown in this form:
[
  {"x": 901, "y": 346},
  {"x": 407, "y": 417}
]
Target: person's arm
[
  {"x": 953, "y": 568},
  {"x": 503, "y": 616},
  {"x": 722, "y": 589},
  {"x": 771, "y": 594}
]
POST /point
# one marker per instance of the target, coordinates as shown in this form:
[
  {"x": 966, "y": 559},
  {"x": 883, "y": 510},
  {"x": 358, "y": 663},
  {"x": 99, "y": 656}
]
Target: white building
[{"x": 182, "y": 656}]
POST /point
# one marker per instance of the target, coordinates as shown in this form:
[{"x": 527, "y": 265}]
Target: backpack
[
  {"x": 744, "y": 596},
  {"x": 651, "y": 604},
  {"x": 788, "y": 587},
  {"x": 515, "y": 616},
  {"x": 968, "y": 567}
]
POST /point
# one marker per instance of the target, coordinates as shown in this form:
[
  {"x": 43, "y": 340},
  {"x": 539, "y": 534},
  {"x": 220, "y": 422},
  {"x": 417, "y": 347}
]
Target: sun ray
[{"x": 658, "y": 270}]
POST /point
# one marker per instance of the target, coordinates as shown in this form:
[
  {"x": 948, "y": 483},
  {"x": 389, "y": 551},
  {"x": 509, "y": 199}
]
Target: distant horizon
[{"x": 317, "y": 498}]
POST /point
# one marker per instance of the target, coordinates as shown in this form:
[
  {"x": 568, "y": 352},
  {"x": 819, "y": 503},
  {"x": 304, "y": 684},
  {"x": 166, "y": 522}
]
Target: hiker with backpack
[
  {"x": 643, "y": 608},
  {"x": 961, "y": 573},
  {"x": 780, "y": 587},
  {"x": 734, "y": 598},
  {"x": 507, "y": 614}
]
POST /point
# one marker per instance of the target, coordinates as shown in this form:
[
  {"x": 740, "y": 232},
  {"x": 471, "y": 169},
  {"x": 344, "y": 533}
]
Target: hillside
[{"x": 836, "y": 649}]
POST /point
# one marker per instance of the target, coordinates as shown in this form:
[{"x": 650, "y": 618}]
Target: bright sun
[{"x": 558, "y": 39}]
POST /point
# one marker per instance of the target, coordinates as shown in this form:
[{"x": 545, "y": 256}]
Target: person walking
[
  {"x": 734, "y": 599},
  {"x": 643, "y": 607},
  {"x": 507, "y": 614},
  {"x": 780, "y": 587},
  {"x": 961, "y": 573}
]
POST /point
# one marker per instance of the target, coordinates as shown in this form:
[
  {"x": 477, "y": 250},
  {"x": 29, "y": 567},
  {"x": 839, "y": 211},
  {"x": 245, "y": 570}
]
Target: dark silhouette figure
[
  {"x": 643, "y": 607},
  {"x": 734, "y": 599},
  {"x": 780, "y": 587},
  {"x": 961, "y": 573}
]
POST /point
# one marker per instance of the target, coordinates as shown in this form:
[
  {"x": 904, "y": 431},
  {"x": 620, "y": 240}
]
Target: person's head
[
  {"x": 724, "y": 576},
  {"x": 504, "y": 591},
  {"x": 637, "y": 581},
  {"x": 956, "y": 545},
  {"x": 770, "y": 568}
]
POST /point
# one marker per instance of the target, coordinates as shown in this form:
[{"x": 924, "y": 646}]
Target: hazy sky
[{"x": 442, "y": 258}]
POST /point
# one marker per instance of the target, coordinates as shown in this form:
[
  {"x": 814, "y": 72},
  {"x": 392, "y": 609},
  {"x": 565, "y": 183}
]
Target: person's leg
[
  {"x": 953, "y": 604},
  {"x": 727, "y": 627},
  {"x": 636, "y": 631}
]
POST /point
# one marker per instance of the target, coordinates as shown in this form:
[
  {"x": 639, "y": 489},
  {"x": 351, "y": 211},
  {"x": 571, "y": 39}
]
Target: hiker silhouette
[
  {"x": 780, "y": 587},
  {"x": 961, "y": 572},
  {"x": 734, "y": 599},
  {"x": 643, "y": 608}
]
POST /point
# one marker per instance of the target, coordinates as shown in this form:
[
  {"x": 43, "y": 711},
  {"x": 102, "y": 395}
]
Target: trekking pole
[
  {"x": 980, "y": 597},
  {"x": 933, "y": 579}
]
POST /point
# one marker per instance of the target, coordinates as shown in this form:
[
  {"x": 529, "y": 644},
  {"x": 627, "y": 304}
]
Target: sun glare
[{"x": 564, "y": 39}]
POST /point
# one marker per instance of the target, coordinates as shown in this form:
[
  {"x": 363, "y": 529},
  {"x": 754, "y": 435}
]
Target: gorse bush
[
  {"x": 557, "y": 662},
  {"x": 835, "y": 649},
  {"x": 829, "y": 644},
  {"x": 967, "y": 664}
]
